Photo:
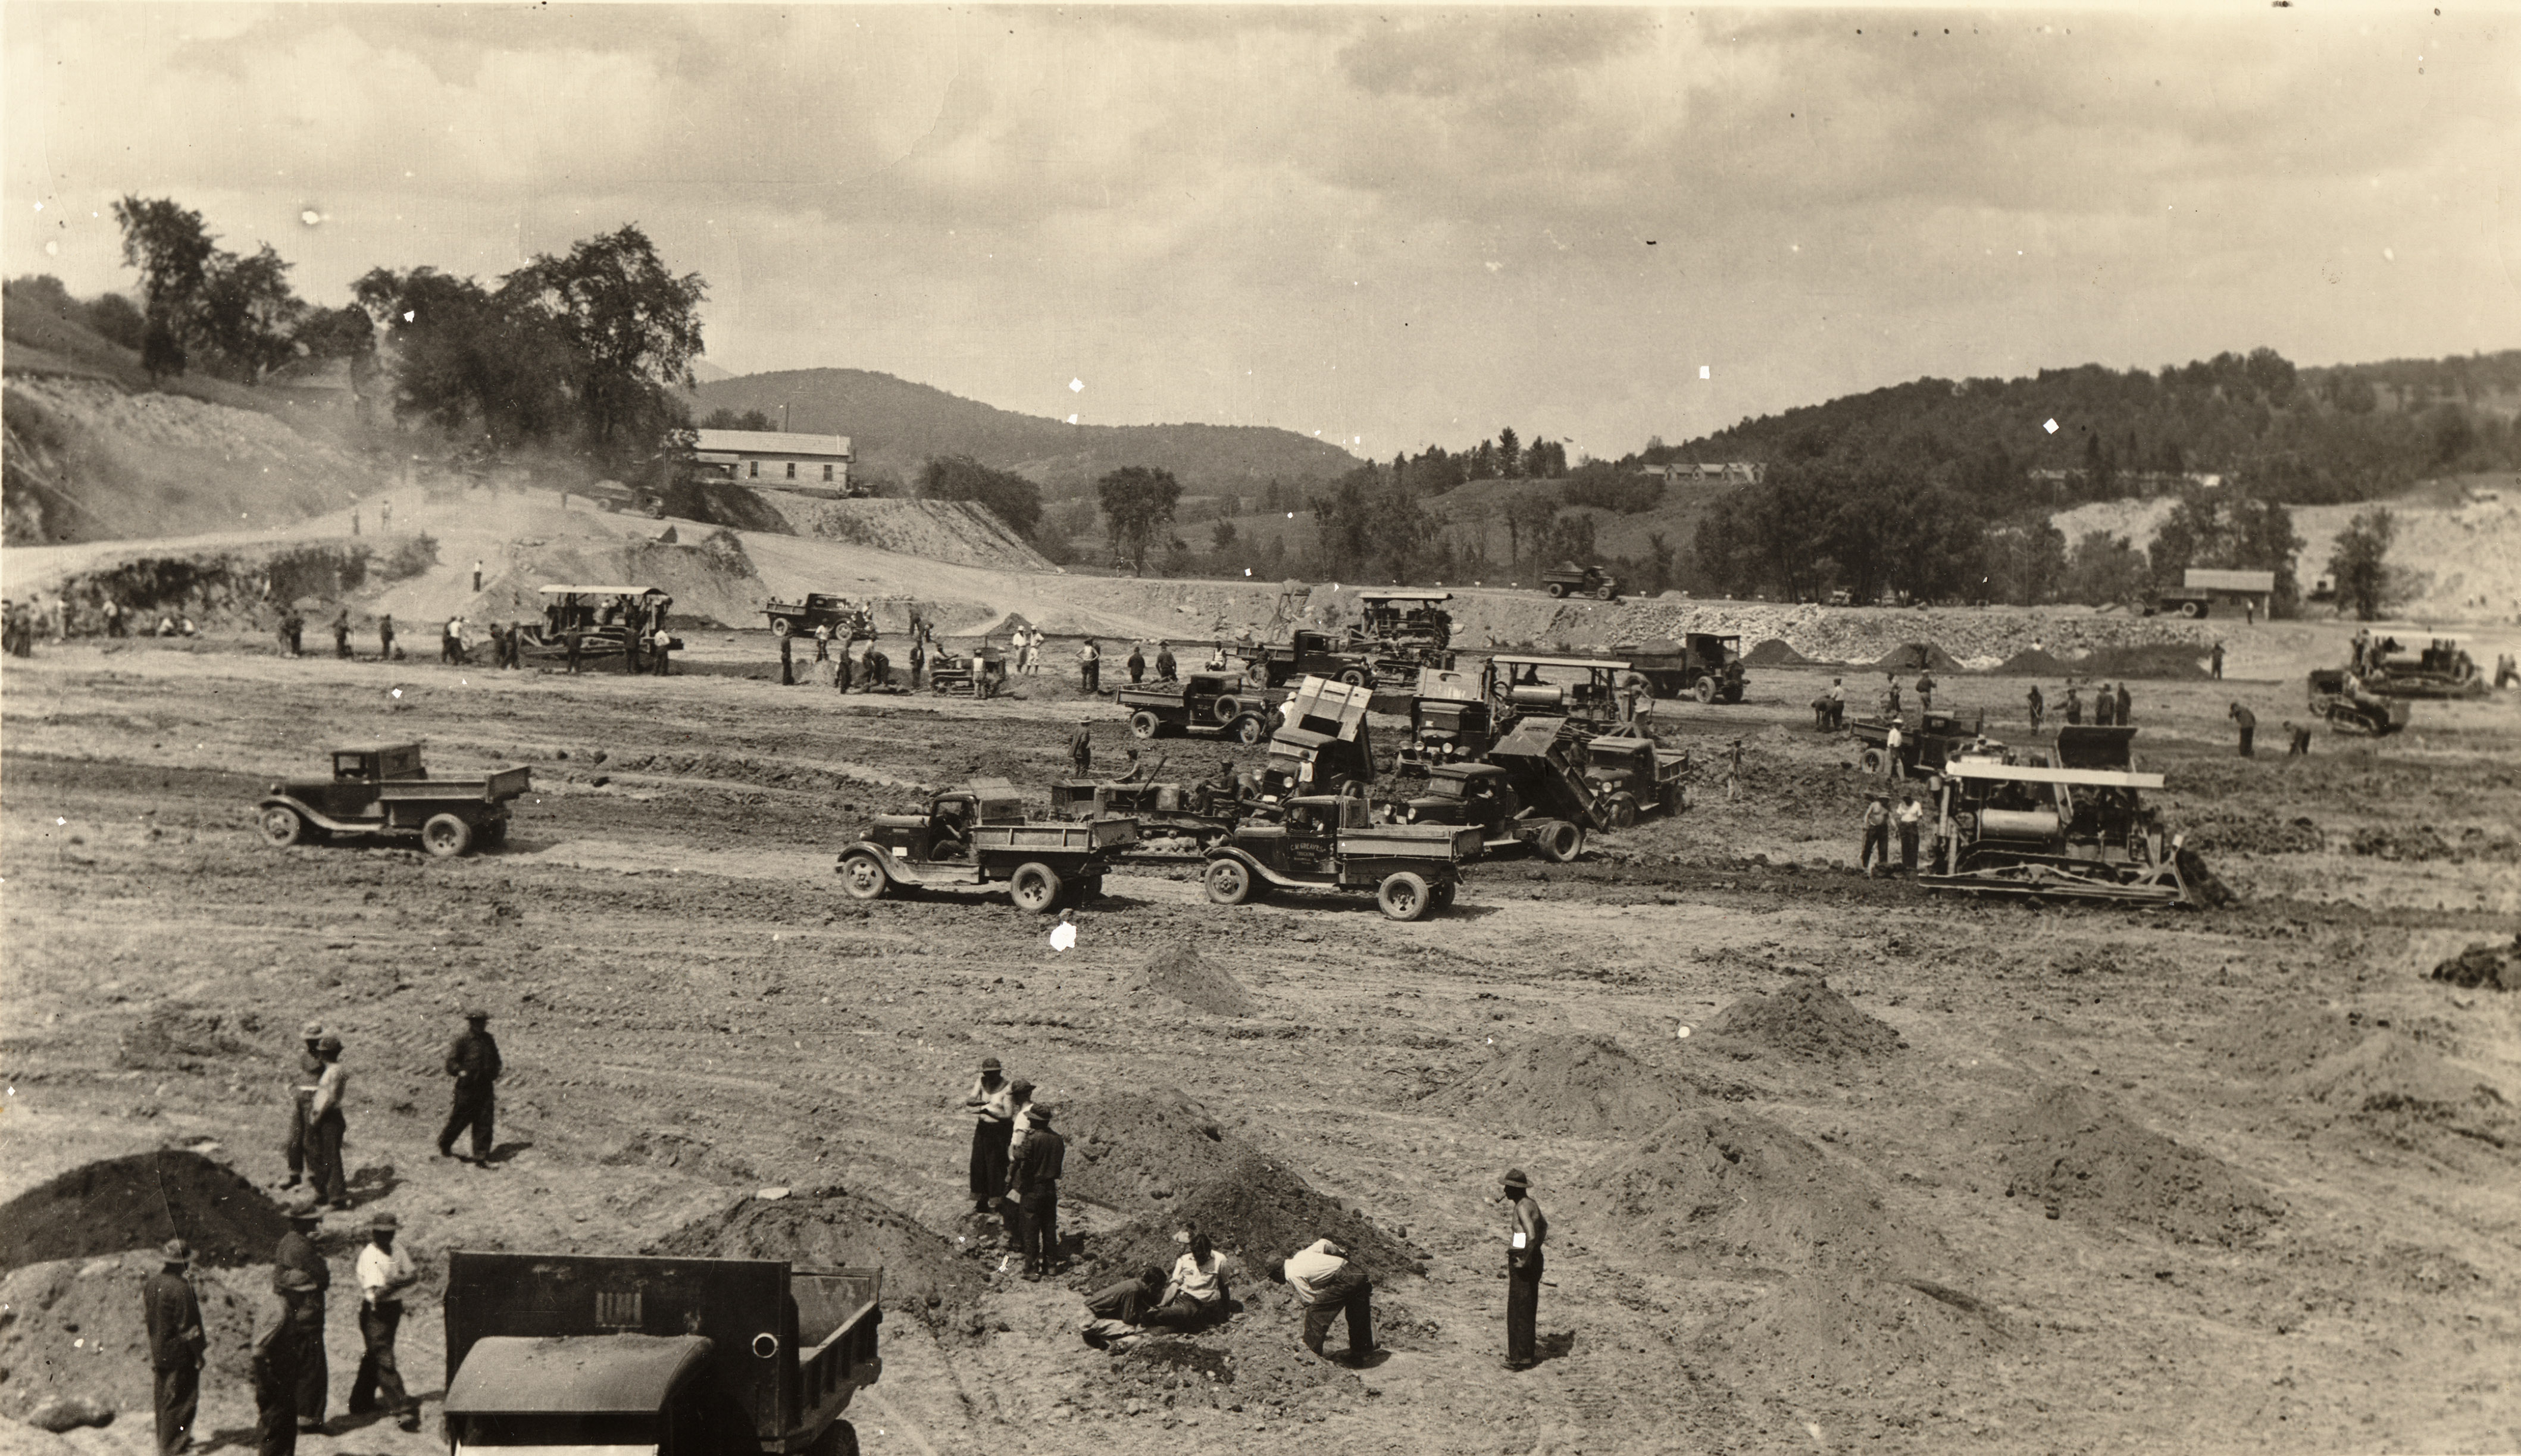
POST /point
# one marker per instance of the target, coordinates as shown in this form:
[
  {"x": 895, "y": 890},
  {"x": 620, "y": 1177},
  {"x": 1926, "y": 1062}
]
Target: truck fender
[
  {"x": 307, "y": 813},
  {"x": 1260, "y": 871},
  {"x": 883, "y": 856}
]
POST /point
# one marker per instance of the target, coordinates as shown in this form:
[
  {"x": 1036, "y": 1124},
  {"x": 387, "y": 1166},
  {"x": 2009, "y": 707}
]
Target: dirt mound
[
  {"x": 2167, "y": 660},
  {"x": 2034, "y": 662},
  {"x": 2214, "y": 831},
  {"x": 2391, "y": 1077},
  {"x": 1912, "y": 656},
  {"x": 832, "y": 1228},
  {"x": 1570, "y": 1086},
  {"x": 1775, "y": 653},
  {"x": 178, "y": 1037},
  {"x": 1181, "y": 973},
  {"x": 140, "y": 1201},
  {"x": 673, "y": 1150},
  {"x": 1740, "y": 1188},
  {"x": 2495, "y": 968},
  {"x": 1260, "y": 1210},
  {"x": 77, "y": 1331},
  {"x": 1825, "y": 1331},
  {"x": 1134, "y": 1150},
  {"x": 1805, "y": 1019},
  {"x": 2073, "y": 1150},
  {"x": 2277, "y": 1042},
  {"x": 1247, "y": 1367}
]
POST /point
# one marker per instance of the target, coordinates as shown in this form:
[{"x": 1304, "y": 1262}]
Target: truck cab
[
  {"x": 1478, "y": 795},
  {"x": 945, "y": 832},
  {"x": 1330, "y": 842}
]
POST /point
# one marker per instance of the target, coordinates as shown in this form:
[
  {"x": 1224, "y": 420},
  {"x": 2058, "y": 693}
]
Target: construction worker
[
  {"x": 277, "y": 1373},
  {"x": 383, "y": 1272},
  {"x": 788, "y": 662},
  {"x": 450, "y": 644},
  {"x": 1893, "y": 741},
  {"x": 2105, "y": 707},
  {"x": 1163, "y": 663},
  {"x": 302, "y": 1091},
  {"x": 2248, "y": 722},
  {"x": 384, "y": 638},
  {"x": 2074, "y": 706},
  {"x": 1198, "y": 1293},
  {"x": 1113, "y": 1312},
  {"x": 918, "y": 661},
  {"x": 1925, "y": 692},
  {"x": 1733, "y": 772},
  {"x": 1020, "y": 1110},
  {"x": 342, "y": 634},
  {"x": 1526, "y": 1230},
  {"x": 325, "y": 1125},
  {"x": 2214, "y": 663},
  {"x": 473, "y": 1060},
  {"x": 1891, "y": 695},
  {"x": 993, "y": 1123},
  {"x": 1217, "y": 660},
  {"x": 1089, "y": 666},
  {"x": 116, "y": 626},
  {"x": 2038, "y": 707},
  {"x": 300, "y": 1278},
  {"x": 1137, "y": 664},
  {"x": 1910, "y": 816},
  {"x": 822, "y": 642},
  {"x": 1837, "y": 704},
  {"x": 1634, "y": 688},
  {"x": 1328, "y": 1285},
  {"x": 2299, "y": 747},
  {"x": 176, "y": 1343},
  {"x": 2126, "y": 704},
  {"x": 1033, "y": 1183},
  {"x": 1876, "y": 850},
  {"x": 1080, "y": 749}
]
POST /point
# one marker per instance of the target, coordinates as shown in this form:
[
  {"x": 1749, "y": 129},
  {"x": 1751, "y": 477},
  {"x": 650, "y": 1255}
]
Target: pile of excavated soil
[
  {"x": 1828, "y": 1330},
  {"x": 1245, "y": 1368},
  {"x": 2279, "y": 1041},
  {"x": 74, "y": 1326},
  {"x": 1260, "y": 1210},
  {"x": 957, "y": 532},
  {"x": 1137, "y": 1152},
  {"x": 140, "y": 1201},
  {"x": 1734, "y": 1188},
  {"x": 1805, "y": 1019},
  {"x": 2485, "y": 965},
  {"x": 2225, "y": 830},
  {"x": 673, "y": 1150},
  {"x": 2034, "y": 662},
  {"x": 830, "y": 1228},
  {"x": 2392, "y": 1077},
  {"x": 1774, "y": 651},
  {"x": 2073, "y": 1150},
  {"x": 2147, "y": 660},
  {"x": 177, "y": 1037},
  {"x": 1183, "y": 973},
  {"x": 1913, "y": 657},
  {"x": 1568, "y": 1086}
]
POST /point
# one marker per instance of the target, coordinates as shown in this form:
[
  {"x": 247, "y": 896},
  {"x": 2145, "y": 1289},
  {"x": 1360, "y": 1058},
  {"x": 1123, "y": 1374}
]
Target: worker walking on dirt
[
  {"x": 2039, "y": 705},
  {"x": 1527, "y": 1229},
  {"x": 384, "y": 638},
  {"x": 276, "y": 1374},
  {"x": 1137, "y": 663},
  {"x": 342, "y": 634},
  {"x": 301, "y": 1280},
  {"x": 174, "y": 1314},
  {"x": 2126, "y": 704},
  {"x": 473, "y": 1060},
  {"x": 1033, "y": 1185},
  {"x": 1089, "y": 666},
  {"x": 1326, "y": 1285},
  {"x": 2214, "y": 663},
  {"x": 1925, "y": 692},
  {"x": 1876, "y": 850},
  {"x": 1837, "y": 704},
  {"x": 2248, "y": 722},
  {"x": 325, "y": 1125},
  {"x": 993, "y": 1122},
  {"x": 302, "y": 1091},
  {"x": 1911, "y": 815},
  {"x": 383, "y": 1272}
]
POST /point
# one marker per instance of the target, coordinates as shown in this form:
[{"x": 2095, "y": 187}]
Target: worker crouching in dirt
[
  {"x": 1116, "y": 1314},
  {"x": 1327, "y": 1285},
  {"x": 1197, "y": 1295}
]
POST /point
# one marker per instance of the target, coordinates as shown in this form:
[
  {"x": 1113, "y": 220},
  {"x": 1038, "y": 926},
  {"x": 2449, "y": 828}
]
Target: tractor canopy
[{"x": 574, "y": 1374}]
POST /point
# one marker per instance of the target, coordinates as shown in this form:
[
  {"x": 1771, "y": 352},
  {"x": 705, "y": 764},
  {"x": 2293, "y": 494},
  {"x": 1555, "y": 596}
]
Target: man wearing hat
[
  {"x": 1034, "y": 1184},
  {"x": 300, "y": 1278},
  {"x": 1526, "y": 1231},
  {"x": 175, "y": 1344},
  {"x": 993, "y": 1123},
  {"x": 301, "y": 1090},
  {"x": 384, "y": 1272},
  {"x": 325, "y": 1127},
  {"x": 1876, "y": 852},
  {"x": 473, "y": 1060}
]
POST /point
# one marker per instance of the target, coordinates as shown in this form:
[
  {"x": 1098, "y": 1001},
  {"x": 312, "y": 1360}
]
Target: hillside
[{"x": 897, "y": 425}]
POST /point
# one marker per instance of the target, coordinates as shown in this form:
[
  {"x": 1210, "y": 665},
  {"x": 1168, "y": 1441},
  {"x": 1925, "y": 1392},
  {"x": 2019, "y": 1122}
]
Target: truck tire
[
  {"x": 1226, "y": 709},
  {"x": 1624, "y": 810},
  {"x": 1874, "y": 762},
  {"x": 781, "y": 626},
  {"x": 282, "y": 825},
  {"x": 1257, "y": 674},
  {"x": 1442, "y": 897},
  {"x": 446, "y": 835},
  {"x": 1608, "y": 593},
  {"x": 1405, "y": 896},
  {"x": 1248, "y": 729},
  {"x": 1560, "y": 843},
  {"x": 1558, "y": 588},
  {"x": 1355, "y": 677},
  {"x": 1089, "y": 888},
  {"x": 1036, "y": 887},
  {"x": 1144, "y": 724},
  {"x": 1228, "y": 882},
  {"x": 1705, "y": 691},
  {"x": 862, "y": 876},
  {"x": 2191, "y": 609}
]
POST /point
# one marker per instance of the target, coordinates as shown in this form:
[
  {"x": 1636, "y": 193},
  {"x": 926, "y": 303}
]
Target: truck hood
[{"x": 586, "y": 1374}]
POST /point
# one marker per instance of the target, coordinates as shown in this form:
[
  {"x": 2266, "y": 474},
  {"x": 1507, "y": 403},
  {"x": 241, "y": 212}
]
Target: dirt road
[{"x": 2018, "y": 1179}]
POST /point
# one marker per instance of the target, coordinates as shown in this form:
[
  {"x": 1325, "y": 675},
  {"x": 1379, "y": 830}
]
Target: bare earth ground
[{"x": 1967, "y": 1235}]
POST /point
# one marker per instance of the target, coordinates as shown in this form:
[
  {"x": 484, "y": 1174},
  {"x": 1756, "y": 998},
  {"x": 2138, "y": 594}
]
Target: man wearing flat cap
[
  {"x": 1526, "y": 1231},
  {"x": 385, "y": 1273},
  {"x": 1034, "y": 1189},
  {"x": 176, "y": 1345},
  {"x": 302, "y": 1091},
  {"x": 301, "y": 1279},
  {"x": 473, "y": 1060},
  {"x": 993, "y": 1123}
]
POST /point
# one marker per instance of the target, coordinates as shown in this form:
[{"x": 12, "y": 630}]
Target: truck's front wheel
[
  {"x": 1706, "y": 690},
  {"x": 1248, "y": 729},
  {"x": 1405, "y": 896},
  {"x": 1229, "y": 881},
  {"x": 445, "y": 836},
  {"x": 283, "y": 825},
  {"x": 1353, "y": 677},
  {"x": 1034, "y": 886},
  {"x": 1608, "y": 593},
  {"x": 861, "y": 876}
]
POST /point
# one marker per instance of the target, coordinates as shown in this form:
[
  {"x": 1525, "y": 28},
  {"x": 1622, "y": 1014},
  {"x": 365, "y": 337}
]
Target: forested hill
[
  {"x": 895, "y": 426},
  {"x": 2301, "y": 435}
]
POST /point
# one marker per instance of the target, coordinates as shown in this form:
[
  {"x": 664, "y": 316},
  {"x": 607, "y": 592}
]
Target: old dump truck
[
  {"x": 382, "y": 789},
  {"x": 848, "y": 621},
  {"x": 1321, "y": 744},
  {"x": 1308, "y": 654},
  {"x": 1570, "y": 579},
  {"x": 1330, "y": 843},
  {"x": 977, "y": 839},
  {"x": 1483, "y": 796},
  {"x": 1634, "y": 777},
  {"x": 1550, "y": 760},
  {"x": 1705, "y": 666},
  {"x": 613, "y": 625},
  {"x": 1923, "y": 749},
  {"x": 552, "y": 1354},
  {"x": 2077, "y": 830},
  {"x": 1208, "y": 702},
  {"x": 2342, "y": 699}
]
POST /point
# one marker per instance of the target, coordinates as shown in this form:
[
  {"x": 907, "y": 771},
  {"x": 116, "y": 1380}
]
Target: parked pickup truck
[
  {"x": 1216, "y": 702},
  {"x": 1570, "y": 579},
  {"x": 976, "y": 838},
  {"x": 1308, "y": 654},
  {"x": 847, "y": 620},
  {"x": 1483, "y": 796},
  {"x": 548, "y": 1355},
  {"x": 383, "y": 790},
  {"x": 1330, "y": 841},
  {"x": 1637, "y": 776}
]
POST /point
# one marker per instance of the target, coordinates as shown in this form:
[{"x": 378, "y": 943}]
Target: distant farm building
[
  {"x": 1702, "y": 473},
  {"x": 776, "y": 459}
]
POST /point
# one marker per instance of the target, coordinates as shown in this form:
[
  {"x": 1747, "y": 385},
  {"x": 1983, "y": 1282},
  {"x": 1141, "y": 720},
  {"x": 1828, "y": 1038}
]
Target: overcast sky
[{"x": 1387, "y": 226}]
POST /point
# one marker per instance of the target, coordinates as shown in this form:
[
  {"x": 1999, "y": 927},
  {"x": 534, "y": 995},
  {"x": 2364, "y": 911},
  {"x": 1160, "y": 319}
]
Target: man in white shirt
[
  {"x": 384, "y": 1272},
  {"x": 993, "y": 1124},
  {"x": 1326, "y": 1284},
  {"x": 1911, "y": 814},
  {"x": 1198, "y": 1293}
]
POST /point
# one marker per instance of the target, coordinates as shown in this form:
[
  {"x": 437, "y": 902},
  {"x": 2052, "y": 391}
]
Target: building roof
[
  {"x": 2201, "y": 578},
  {"x": 767, "y": 442}
]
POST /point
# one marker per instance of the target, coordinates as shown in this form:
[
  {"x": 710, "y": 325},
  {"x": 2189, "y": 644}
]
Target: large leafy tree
[
  {"x": 631, "y": 329},
  {"x": 247, "y": 314},
  {"x": 1138, "y": 505},
  {"x": 171, "y": 248},
  {"x": 2359, "y": 563},
  {"x": 237, "y": 312},
  {"x": 466, "y": 361},
  {"x": 2234, "y": 530},
  {"x": 1009, "y": 496}
]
